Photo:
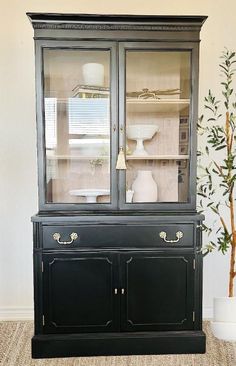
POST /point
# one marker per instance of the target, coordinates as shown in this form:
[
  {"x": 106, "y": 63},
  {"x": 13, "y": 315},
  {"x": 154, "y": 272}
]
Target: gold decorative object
[
  {"x": 154, "y": 94},
  {"x": 96, "y": 162},
  {"x": 147, "y": 94}
]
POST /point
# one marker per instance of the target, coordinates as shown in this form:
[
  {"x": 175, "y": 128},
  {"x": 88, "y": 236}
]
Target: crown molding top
[{"x": 116, "y": 22}]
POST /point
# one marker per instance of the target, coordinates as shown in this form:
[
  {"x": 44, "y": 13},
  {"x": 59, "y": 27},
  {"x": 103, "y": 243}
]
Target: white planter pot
[
  {"x": 224, "y": 318},
  {"x": 129, "y": 196},
  {"x": 224, "y": 309},
  {"x": 144, "y": 187},
  {"x": 93, "y": 74},
  {"x": 224, "y": 330}
]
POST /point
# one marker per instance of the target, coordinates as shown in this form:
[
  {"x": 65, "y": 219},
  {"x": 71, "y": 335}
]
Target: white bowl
[
  {"x": 144, "y": 132},
  {"x": 90, "y": 194}
]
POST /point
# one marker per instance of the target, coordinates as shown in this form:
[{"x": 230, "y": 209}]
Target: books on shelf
[{"x": 90, "y": 91}]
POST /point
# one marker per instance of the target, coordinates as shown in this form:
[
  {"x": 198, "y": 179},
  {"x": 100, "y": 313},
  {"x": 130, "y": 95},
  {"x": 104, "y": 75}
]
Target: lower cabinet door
[
  {"x": 79, "y": 292},
  {"x": 157, "y": 291}
]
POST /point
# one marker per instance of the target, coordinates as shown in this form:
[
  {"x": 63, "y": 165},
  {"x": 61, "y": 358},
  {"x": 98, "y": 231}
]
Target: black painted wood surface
[
  {"x": 102, "y": 344},
  {"x": 119, "y": 289},
  {"x": 78, "y": 292},
  {"x": 125, "y": 236},
  {"x": 158, "y": 291}
]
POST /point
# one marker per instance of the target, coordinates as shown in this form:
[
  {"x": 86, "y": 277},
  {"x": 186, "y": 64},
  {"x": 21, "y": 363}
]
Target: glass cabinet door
[
  {"x": 81, "y": 106},
  {"x": 157, "y": 88},
  {"x": 77, "y": 118}
]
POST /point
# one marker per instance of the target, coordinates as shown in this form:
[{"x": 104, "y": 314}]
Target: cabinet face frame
[
  {"x": 193, "y": 48},
  {"x": 75, "y": 45}
]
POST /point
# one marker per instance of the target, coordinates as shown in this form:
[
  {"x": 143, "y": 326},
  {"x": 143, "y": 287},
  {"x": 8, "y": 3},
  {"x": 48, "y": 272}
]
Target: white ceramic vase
[
  {"x": 224, "y": 318},
  {"x": 144, "y": 187},
  {"x": 129, "y": 196},
  {"x": 93, "y": 74}
]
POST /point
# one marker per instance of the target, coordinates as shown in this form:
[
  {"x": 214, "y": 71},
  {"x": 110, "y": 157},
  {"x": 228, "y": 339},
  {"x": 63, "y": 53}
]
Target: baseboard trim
[
  {"x": 16, "y": 313},
  {"x": 207, "y": 313},
  {"x": 27, "y": 313}
]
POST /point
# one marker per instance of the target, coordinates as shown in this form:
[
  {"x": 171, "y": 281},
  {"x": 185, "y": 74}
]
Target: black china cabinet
[{"x": 117, "y": 239}]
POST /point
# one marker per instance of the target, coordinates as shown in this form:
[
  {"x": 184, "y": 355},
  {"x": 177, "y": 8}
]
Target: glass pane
[
  {"x": 157, "y": 126},
  {"x": 77, "y": 125}
]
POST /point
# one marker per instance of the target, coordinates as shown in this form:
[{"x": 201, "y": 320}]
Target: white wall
[{"x": 18, "y": 180}]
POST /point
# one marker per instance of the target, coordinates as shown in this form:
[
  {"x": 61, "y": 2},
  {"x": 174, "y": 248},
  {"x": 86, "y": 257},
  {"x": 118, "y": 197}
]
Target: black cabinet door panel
[
  {"x": 157, "y": 291},
  {"x": 79, "y": 292}
]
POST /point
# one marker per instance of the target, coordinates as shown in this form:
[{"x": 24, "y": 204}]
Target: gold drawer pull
[
  {"x": 57, "y": 237},
  {"x": 178, "y": 235}
]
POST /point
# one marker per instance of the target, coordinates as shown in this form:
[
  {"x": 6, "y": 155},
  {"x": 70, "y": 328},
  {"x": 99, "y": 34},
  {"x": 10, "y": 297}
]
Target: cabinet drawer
[{"x": 110, "y": 236}]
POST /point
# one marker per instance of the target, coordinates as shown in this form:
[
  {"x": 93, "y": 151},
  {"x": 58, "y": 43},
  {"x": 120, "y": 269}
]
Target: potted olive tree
[{"x": 216, "y": 186}]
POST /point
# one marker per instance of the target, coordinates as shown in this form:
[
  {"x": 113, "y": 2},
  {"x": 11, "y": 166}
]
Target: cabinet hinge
[
  {"x": 43, "y": 320},
  {"x": 194, "y": 264},
  {"x": 193, "y": 316},
  {"x": 42, "y": 266}
]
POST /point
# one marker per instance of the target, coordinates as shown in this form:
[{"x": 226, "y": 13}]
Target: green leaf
[
  {"x": 207, "y": 107},
  {"x": 221, "y": 147},
  {"x": 202, "y": 194},
  {"x": 214, "y": 210}
]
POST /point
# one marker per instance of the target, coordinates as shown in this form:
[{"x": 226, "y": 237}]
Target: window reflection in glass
[{"x": 77, "y": 125}]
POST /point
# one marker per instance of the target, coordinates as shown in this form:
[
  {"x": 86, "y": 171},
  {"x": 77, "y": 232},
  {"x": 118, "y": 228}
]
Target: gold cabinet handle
[
  {"x": 57, "y": 237},
  {"x": 178, "y": 235}
]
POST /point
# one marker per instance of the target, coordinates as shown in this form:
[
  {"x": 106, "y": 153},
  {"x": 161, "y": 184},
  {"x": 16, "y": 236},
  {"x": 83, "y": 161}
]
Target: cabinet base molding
[{"x": 111, "y": 344}]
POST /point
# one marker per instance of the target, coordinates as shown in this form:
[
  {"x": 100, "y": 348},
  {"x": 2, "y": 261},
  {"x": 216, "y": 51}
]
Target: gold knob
[{"x": 122, "y": 129}]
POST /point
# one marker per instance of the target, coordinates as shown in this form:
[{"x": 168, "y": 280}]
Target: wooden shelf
[
  {"x": 157, "y": 105},
  {"x": 158, "y": 157},
  {"x": 76, "y": 157},
  {"x": 128, "y": 157}
]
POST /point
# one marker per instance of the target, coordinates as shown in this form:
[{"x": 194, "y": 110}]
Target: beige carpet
[{"x": 15, "y": 351}]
